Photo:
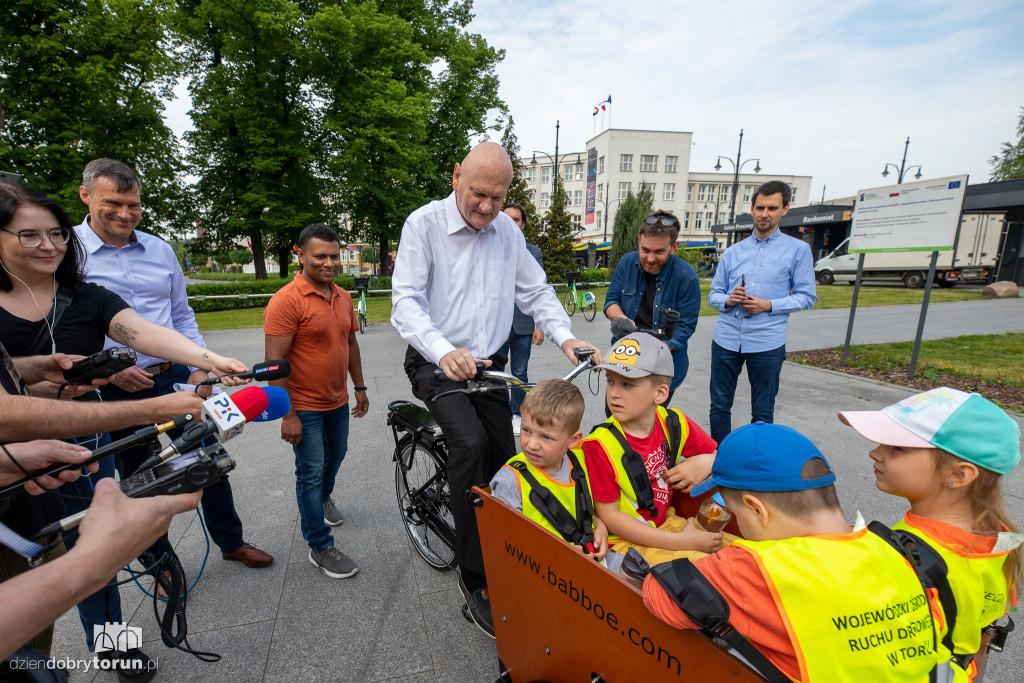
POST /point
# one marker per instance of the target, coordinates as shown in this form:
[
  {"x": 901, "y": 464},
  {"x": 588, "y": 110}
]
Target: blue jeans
[
  {"x": 317, "y": 459},
  {"x": 517, "y": 348},
  {"x": 105, "y": 604},
  {"x": 763, "y": 370}
]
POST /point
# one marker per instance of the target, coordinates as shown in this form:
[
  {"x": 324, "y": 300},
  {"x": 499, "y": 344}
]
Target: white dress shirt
[{"x": 454, "y": 287}]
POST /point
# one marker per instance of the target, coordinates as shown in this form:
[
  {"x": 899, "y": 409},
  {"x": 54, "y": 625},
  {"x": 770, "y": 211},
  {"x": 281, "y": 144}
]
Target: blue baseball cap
[{"x": 764, "y": 457}]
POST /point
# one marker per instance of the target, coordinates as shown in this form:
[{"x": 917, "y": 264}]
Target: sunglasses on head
[{"x": 667, "y": 221}]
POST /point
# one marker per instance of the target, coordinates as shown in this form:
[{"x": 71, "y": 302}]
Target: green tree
[
  {"x": 519, "y": 190},
  {"x": 557, "y": 237},
  {"x": 626, "y": 231},
  {"x": 417, "y": 89},
  {"x": 306, "y": 110},
  {"x": 258, "y": 147},
  {"x": 1009, "y": 164},
  {"x": 80, "y": 80}
]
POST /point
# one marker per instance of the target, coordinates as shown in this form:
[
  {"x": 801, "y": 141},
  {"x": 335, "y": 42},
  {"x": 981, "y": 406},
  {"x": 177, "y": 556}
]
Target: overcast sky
[{"x": 826, "y": 89}]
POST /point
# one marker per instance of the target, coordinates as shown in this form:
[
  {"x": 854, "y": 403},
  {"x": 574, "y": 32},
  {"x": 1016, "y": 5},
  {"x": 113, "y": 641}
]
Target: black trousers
[{"x": 478, "y": 429}]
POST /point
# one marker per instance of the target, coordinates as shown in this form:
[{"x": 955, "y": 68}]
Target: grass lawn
[
  {"x": 988, "y": 364},
  {"x": 831, "y": 296}
]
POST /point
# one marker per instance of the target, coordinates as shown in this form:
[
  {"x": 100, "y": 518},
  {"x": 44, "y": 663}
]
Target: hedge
[
  {"x": 270, "y": 286},
  {"x": 595, "y": 275}
]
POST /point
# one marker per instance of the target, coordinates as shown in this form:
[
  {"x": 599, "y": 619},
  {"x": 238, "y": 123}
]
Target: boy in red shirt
[{"x": 643, "y": 452}]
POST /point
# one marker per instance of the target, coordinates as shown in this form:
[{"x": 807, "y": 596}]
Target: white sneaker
[{"x": 517, "y": 421}]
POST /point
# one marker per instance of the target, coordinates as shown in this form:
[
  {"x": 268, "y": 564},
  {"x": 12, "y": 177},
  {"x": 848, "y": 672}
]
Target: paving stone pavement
[{"x": 399, "y": 620}]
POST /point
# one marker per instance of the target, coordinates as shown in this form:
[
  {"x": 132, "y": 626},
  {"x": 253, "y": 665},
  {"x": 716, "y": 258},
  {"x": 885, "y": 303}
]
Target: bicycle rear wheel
[
  {"x": 424, "y": 502},
  {"x": 570, "y": 302},
  {"x": 590, "y": 312},
  {"x": 362, "y": 323}
]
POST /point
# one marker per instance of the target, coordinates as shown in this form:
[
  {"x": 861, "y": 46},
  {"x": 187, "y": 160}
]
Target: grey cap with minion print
[{"x": 639, "y": 355}]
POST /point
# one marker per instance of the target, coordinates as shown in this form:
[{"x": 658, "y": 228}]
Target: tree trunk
[
  {"x": 385, "y": 256},
  {"x": 258, "y": 258},
  {"x": 284, "y": 255}
]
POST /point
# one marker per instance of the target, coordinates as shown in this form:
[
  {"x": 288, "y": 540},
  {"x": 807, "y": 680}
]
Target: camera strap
[{"x": 60, "y": 304}]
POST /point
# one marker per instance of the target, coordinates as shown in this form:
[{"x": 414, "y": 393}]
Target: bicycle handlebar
[{"x": 485, "y": 381}]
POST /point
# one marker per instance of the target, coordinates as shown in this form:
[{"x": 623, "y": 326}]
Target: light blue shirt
[
  {"x": 779, "y": 269},
  {"x": 146, "y": 274}
]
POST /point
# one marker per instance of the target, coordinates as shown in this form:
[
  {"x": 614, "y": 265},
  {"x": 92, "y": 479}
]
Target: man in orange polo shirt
[{"x": 311, "y": 322}]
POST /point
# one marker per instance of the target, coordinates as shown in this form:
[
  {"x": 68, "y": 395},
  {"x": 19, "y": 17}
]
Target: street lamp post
[
  {"x": 554, "y": 161},
  {"x": 903, "y": 169},
  {"x": 737, "y": 166},
  {"x": 605, "y": 203}
]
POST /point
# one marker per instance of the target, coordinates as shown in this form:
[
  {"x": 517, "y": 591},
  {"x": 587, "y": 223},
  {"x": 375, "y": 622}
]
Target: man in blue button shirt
[
  {"x": 143, "y": 270},
  {"x": 651, "y": 280},
  {"x": 759, "y": 282}
]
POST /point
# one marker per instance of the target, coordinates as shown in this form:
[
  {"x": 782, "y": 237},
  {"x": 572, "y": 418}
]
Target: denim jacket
[{"x": 678, "y": 289}]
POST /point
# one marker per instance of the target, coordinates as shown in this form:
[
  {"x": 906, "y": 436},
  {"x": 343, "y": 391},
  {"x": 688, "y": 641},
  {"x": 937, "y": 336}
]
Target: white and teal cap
[{"x": 968, "y": 426}]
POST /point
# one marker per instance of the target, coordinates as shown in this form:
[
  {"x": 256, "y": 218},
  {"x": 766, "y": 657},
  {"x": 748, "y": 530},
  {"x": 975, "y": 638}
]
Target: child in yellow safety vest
[
  {"x": 946, "y": 452},
  {"x": 818, "y": 602},
  {"x": 547, "y": 481},
  {"x": 644, "y": 453}
]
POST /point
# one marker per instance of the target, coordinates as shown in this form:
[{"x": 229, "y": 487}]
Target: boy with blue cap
[{"x": 818, "y": 601}]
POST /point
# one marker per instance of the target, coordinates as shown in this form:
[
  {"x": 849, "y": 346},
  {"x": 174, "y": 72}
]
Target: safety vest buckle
[{"x": 999, "y": 634}]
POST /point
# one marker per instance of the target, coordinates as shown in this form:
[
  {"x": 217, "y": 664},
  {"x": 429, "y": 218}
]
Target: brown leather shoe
[{"x": 250, "y": 556}]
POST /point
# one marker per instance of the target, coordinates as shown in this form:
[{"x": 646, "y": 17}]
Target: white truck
[{"x": 972, "y": 259}]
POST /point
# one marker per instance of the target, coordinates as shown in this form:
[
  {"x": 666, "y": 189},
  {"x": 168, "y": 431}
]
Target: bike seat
[{"x": 411, "y": 416}]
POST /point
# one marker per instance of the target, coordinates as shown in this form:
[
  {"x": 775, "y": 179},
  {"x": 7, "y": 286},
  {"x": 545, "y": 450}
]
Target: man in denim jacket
[{"x": 653, "y": 279}]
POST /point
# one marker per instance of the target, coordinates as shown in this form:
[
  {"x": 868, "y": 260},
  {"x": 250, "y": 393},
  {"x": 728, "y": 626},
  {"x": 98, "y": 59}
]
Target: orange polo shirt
[{"x": 320, "y": 331}]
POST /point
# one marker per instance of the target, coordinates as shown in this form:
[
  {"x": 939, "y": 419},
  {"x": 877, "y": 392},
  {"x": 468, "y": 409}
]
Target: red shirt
[{"x": 652, "y": 448}]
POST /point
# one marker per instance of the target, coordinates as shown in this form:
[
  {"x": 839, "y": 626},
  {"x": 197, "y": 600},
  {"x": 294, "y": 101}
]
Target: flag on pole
[
  {"x": 248, "y": 243},
  {"x": 602, "y": 105}
]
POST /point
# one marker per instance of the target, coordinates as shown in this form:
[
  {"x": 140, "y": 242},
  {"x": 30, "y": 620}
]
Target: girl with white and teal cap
[{"x": 946, "y": 452}]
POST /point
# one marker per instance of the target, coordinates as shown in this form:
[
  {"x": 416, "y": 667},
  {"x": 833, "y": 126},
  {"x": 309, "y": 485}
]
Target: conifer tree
[
  {"x": 519, "y": 190},
  {"x": 556, "y": 239}
]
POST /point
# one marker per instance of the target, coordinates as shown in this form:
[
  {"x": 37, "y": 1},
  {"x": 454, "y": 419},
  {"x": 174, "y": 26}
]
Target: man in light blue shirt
[
  {"x": 144, "y": 271},
  {"x": 759, "y": 282}
]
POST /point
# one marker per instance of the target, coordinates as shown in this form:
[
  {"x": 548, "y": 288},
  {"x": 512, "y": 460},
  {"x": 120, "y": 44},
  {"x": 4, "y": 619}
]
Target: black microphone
[
  {"x": 670, "y": 323},
  {"x": 622, "y": 327},
  {"x": 261, "y": 372},
  {"x": 138, "y": 437}
]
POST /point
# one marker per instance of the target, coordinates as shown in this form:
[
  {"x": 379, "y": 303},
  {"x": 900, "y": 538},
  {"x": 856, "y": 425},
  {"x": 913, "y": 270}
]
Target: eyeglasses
[
  {"x": 667, "y": 221},
  {"x": 33, "y": 238}
]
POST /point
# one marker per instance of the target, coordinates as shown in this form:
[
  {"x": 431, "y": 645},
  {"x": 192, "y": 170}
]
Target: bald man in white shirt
[{"x": 462, "y": 266}]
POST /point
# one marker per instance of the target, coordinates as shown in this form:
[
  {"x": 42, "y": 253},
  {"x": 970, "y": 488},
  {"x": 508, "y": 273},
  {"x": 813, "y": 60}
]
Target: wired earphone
[{"x": 49, "y": 327}]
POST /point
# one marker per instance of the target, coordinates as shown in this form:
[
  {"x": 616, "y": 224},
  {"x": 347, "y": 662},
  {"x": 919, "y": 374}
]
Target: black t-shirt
[
  {"x": 81, "y": 329},
  {"x": 645, "y": 316}
]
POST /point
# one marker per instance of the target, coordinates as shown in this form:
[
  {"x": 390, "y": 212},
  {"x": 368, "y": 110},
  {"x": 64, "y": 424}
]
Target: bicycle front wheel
[
  {"x": 590, "y": 312},
  {"x": 362, "y": 323},
  {"x": 424, "y": 501},
  {"x": 570, "y": 302}
]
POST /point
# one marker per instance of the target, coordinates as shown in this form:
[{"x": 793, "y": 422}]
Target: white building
[{"x": 625, "y": 160}]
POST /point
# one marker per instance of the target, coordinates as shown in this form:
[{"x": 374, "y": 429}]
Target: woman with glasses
[{"x": 46, "y": 307}]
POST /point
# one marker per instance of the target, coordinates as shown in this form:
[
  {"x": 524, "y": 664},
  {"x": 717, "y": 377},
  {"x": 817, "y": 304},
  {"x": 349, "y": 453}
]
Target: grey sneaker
[
  {"x": 333, "y": 563},
  {"x": 332, "y": 515}
]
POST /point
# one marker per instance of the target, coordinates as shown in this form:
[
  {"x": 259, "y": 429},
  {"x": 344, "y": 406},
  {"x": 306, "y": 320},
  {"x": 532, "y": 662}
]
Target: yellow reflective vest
[
  {"x": 613, "y": 449},
  {"x": 979, "y": 587},
  {"x": 853, "y": 607},
  {"x": 565, "y": 493}
]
